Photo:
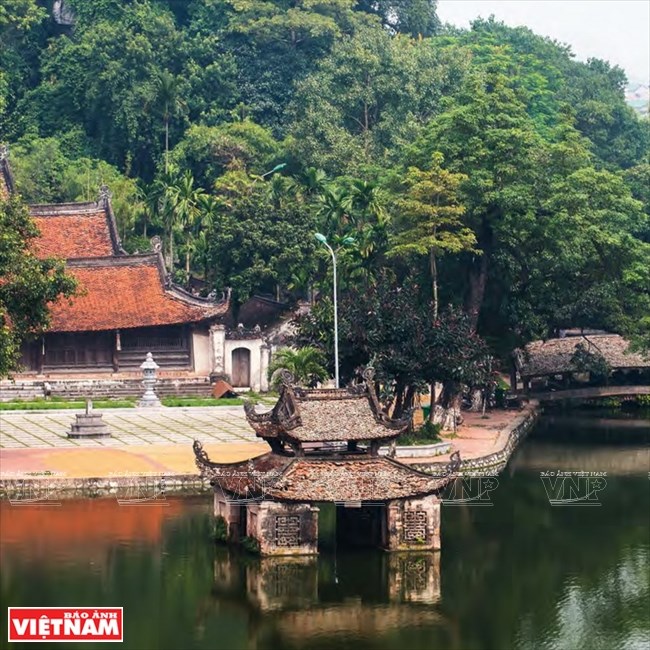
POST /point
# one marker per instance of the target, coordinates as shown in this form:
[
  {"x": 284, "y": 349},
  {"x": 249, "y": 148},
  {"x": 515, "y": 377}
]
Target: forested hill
[{"x": 485, "y": 166}]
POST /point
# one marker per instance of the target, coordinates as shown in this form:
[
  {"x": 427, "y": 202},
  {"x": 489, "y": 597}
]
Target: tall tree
[
  {"x": 372, "y": 94},
  {"x": 430, "y": 218},
  {"x": 488, "y": 136},
  {"x": 185, "y": 200},
  {"x": 168, "y": 88}
]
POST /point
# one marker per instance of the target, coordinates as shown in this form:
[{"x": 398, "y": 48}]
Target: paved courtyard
[{"x": 164, "y": 426}]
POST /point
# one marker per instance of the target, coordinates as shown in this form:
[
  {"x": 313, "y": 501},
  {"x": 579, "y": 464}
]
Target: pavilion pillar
[
  {"x": 217, "y": 349},
  {"x": 227, "y": 507},
  {"x": 40, "y": 361},
  {"x": 413, "y": 524},
  {"x": 117, "y": 347},
  {"x": 283, "y": 528}
]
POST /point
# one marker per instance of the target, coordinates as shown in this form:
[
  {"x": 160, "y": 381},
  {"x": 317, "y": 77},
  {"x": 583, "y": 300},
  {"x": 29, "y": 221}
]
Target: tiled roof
[
  {"x": 551, "y": 357},
  {"x": 125, "y": 292},
  {"x": 325, "y": 415},
  {"x": 75, "y": 230},
  {"x": 349, "y": 419},
  {"x": 353, "y": 478}
]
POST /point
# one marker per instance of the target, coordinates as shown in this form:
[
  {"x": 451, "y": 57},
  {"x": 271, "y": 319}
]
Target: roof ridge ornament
[
  {"x": 286, "y": 377},
  {"x": 368, "y": 374},
  {"x": 156, "y": 244},
  {"x": 4, "y": 152},
  {"x": 104, "y": 196}
]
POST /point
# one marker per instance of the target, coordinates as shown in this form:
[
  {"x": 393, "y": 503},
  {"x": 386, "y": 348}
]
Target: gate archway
[{"x": 241, "y": 368}]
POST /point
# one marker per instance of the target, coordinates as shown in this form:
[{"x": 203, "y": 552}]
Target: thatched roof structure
[{"x": 554, "y": 356}]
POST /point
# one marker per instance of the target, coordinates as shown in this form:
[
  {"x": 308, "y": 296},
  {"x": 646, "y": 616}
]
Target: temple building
[
  {"x": 126, "y": 306},
  {"x": 325, "y": 448}
]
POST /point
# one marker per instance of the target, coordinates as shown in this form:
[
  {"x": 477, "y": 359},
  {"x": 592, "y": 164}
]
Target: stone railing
[
  {"x": 496, "y": 461},
  {"x": 55, "y": 486}
]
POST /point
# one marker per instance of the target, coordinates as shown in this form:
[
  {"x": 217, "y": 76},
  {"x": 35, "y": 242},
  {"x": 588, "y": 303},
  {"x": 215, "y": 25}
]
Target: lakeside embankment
[{"x": 484, "y": 442}]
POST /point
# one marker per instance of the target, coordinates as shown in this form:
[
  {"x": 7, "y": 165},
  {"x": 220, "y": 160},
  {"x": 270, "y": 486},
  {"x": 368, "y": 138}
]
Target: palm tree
[
  {"x": 160, "y": 198},
  {"x": 313, "y": 181},
  {"x": 170, "y": 103},
  {"x": 307, "y": 365},
  {"x": 209, "y": 213},
  {"x": 186, "y": 200}
]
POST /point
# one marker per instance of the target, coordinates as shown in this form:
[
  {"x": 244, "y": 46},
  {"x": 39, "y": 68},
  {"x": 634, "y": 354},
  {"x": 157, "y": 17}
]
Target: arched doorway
[{"x": 241, "y": 367}]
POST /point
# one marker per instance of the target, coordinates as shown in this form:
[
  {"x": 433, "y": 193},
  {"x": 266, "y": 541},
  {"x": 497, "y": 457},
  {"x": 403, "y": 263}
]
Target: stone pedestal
[
  {"x": 283, "y": 528},
  {"x": 89, "y": 425},
  {"x": 413, "y": 524}
]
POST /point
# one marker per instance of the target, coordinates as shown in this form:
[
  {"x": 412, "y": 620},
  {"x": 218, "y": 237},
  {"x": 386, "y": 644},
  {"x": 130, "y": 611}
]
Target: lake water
[{"x": 518, "y": 574}]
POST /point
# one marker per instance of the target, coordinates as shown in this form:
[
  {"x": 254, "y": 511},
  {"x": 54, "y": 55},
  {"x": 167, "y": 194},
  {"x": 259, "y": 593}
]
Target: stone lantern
[{"x": 149, "y": 368}]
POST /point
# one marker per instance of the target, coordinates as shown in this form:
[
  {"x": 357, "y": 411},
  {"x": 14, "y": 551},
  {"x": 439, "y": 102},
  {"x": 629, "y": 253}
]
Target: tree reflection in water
[{"x": 520, "y": 574}]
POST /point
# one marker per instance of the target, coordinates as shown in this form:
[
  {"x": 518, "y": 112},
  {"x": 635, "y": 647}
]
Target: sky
[{"x": 615, "y": 30}]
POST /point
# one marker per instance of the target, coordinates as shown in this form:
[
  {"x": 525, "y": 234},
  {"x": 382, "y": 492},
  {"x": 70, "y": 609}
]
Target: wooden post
[
  {"x": 116, "y": 349},
  {"x": 41, "y": 357}
]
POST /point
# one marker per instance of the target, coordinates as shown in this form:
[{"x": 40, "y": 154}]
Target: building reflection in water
[{"x": 329, "y": 594}]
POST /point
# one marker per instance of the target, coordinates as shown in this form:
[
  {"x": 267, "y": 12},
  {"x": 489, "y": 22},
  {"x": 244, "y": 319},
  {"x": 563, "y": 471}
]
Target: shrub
[
  {"x": 427, "y": 434},
  {"x": 251, "y": 545},
  {"x": 220, "y": 529}
]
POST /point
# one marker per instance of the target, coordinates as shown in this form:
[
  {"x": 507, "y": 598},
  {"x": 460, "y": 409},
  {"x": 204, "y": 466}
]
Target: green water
[{"x": 518, "y": 574}]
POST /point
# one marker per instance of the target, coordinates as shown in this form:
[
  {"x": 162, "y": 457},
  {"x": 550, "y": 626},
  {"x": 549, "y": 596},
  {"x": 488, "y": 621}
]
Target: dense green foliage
[
  {"x": 307, "y": 365},
  {"x": 485, "y": 166}
]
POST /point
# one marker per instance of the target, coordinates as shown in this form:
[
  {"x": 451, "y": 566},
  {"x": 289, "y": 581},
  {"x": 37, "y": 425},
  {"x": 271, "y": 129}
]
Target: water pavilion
[{"x": 325, "y": 448}]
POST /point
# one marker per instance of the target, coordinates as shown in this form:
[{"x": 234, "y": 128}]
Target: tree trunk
[
  {"x": 399, "y": 400},
  {"x": 187, "y": 267},
  {"x": 171, "y": 251},
  {"x": 166, "y": 145},
  {"x": 478, "y": 275},
  {"x": 434, "y": 280},
  {"x": 432, "y": 402},
  {"x": 448, "y": 410},
  {"x": 408, "y": 399},
  {"x": 477, "y": 282},
  {"x": 477, "y": 400}
]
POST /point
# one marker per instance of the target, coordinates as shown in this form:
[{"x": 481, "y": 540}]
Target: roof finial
[
  {"x": 104, "y": 195},
  {"x": 4, "y": 152},
  {"x": 156, "y": 244},
  {"x": 368, "y": 374}
]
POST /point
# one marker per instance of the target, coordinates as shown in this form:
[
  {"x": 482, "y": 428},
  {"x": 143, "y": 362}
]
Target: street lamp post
[
  {"x": 277, "y": 168},
  {"x": 323, "y": 240},
  {"x": 256, "y": 178}
]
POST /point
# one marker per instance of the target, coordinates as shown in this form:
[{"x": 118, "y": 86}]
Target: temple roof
[
  {"x": 76, "y": 230},
  {"x": 125, "y": 292},
  {"x": 345, "y": 479},
  {"x": 323, "y": 415},
  {"x": 553, "y": 356}
]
